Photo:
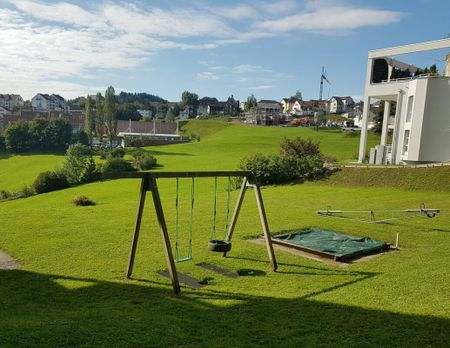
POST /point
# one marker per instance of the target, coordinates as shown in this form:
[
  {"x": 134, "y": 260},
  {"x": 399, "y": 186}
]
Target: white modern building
[{"x": 421, "y": 125}]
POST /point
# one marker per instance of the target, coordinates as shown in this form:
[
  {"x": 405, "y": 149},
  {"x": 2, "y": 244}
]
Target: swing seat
[{"x": 219, "y": 246}]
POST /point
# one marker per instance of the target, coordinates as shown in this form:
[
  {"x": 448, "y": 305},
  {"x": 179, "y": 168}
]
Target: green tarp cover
[{"x": 332, "y": 242}]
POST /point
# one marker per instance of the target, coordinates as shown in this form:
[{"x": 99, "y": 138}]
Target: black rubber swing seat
[{"x": 219, "y": 246}]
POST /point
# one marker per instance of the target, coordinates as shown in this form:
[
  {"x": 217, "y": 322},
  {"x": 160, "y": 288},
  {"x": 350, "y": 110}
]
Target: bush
[
  {"x": 117, "y": 152},
  {"x": 117, "y": 165},
  {"x": 5, "y": 194},
  {"x": 143, "y": 160},
  {"x": 50, "y": 181},
  {"x": 17, "y": 136},
  {"x": 299, "y": 147},
  {"x": 80, "y": 137},
  {"x": 297, "y": 161},
  {"x": 82, "y": 201},
  {"x": 26, "y": 191},
  {"x": 79, "y": 166}
]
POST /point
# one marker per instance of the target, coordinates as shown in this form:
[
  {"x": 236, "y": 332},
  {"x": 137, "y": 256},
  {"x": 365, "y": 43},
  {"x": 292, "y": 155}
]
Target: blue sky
[{"x": 212, "y": 48}]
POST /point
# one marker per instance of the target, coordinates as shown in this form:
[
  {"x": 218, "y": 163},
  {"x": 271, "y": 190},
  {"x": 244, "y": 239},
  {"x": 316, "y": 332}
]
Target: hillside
[
  {"x": 71, "y": 289},
  {"x": 433, "y": 178},
  {"x": 221, "y": 146}
]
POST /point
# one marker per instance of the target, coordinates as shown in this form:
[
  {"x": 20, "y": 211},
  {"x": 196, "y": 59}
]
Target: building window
[
  {"x": 409, "y": 109},
  {"x": 406, "y": 141}
]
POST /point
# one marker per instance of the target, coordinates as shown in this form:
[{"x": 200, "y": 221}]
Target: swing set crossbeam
[
  {"x": 149, "y": 184},
  {"x": 191, "y": 174}
]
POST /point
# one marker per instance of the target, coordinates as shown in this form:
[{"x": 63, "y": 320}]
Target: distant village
[{"x": 149, "y": 117}]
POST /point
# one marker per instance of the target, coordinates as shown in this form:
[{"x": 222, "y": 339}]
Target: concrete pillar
[
  {"x": 363, "y": 138},
  {"x": 395, "y": 134},
  {"x": 384, "y": 129},
  {"x": 447, "y": 65},
  {"x": 365, "y": 115}
]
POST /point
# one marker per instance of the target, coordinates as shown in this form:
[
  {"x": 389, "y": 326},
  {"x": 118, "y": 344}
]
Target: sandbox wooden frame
[{"x": 149, "y": 183}]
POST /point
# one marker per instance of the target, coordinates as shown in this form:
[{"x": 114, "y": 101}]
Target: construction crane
[{"x": 323, "y": 77}]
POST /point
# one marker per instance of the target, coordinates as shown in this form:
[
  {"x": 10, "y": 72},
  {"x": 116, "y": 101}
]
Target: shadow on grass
[
  {"x": 44, "y": 309},
  {"x": 168, "y": 153},
  {"x": 5, "y": 154}
]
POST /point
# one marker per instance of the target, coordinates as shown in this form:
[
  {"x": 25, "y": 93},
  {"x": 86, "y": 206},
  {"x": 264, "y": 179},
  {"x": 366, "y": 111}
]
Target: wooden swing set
[{"x": 149, "y": 184}]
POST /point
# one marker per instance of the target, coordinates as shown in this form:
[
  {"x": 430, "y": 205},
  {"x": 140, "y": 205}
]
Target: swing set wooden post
[{"x": 148, "y": 183}]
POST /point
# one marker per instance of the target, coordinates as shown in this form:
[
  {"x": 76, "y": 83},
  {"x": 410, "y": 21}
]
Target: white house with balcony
[
  {"x": 421, "y": 125},
  {"x": 43, "y": 101}
]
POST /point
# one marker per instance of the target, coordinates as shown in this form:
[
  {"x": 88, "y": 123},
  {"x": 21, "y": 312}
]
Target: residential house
[
  {"x": 186, "y": 113},
  {"x": 339, "y": 105},
  {"x": 232, "y": 107},
  {"x": 422, "y": 109},
  {"x": 335, "y": 105},
  {"x": 10, "y": 101},
  {"x": 269, "y": 107},
  {"x": 348, "y": 103},
  {"x": 211, "y": 106},
  {"x": 43, "y": 101},
  {"x": 145, "y": 113}
]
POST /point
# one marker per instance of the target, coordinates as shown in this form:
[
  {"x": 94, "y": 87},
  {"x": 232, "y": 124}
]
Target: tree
[
  {"x": 189, "y": 99},
  {"x": 16, "y": 136},
  {"x": 298, "y": 95},
  {"x": 109, "y": 110},
  {"x": 128, "y": 111},
  {"x": 99, "y": 119},
  {"x": 89, "y": 121},
  {"x": 170, "y": 115},
  {"x": 378, "y": 120},
  {"x": 433, "y": 69},
  {"x": 57, "y": 134},
  {"x": 79, "y": 166},
  {"x": 81, "y": 137},
  {"x": 37, "y": 132},
  {"x": 251, "y": 102}
]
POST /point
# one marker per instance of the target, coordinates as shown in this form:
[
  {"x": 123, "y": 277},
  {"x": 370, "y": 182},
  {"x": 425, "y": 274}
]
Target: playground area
[{"x": 71, "y": 286}]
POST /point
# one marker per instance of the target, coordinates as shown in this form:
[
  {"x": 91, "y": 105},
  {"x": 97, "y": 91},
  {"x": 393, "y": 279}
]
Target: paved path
[{"x": 7, "y": 262}]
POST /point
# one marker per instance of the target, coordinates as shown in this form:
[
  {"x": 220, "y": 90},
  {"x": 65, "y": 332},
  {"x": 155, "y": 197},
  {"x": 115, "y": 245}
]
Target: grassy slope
[
  {"x": 71, "y": 290},
  {"x": 433, "y": 178},
  {"x": 222, "y": 145},
  {"x": 19, "y": 170}
]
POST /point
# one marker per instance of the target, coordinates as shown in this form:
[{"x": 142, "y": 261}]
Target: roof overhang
[{"x": 405, "y": 49}]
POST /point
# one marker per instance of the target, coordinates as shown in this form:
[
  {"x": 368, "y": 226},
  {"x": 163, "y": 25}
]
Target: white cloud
[
  {"x": 42, "y": 41},
  {"x": 328, "y": 17},
  {"x": 260, "y": 87},
  {"x": 207, "y": 75},
  {"x": 237, "y": 12},
  {"x": 278, "y": 7},
  {"x": 246, "y": 68}
]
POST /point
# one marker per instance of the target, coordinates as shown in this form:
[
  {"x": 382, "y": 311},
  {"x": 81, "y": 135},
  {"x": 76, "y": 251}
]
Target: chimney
[{"x": 447, "y": 65}]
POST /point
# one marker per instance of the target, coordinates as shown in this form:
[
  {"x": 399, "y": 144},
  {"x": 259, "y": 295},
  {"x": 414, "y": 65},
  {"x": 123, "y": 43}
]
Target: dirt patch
[{"x": 7, "y": 262}]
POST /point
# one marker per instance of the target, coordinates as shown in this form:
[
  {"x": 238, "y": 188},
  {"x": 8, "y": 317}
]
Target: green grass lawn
[
  {"x": 19, "y": 170},
  {"x": 71, "y": 289},
  {"x": 221, "y": 147}
]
